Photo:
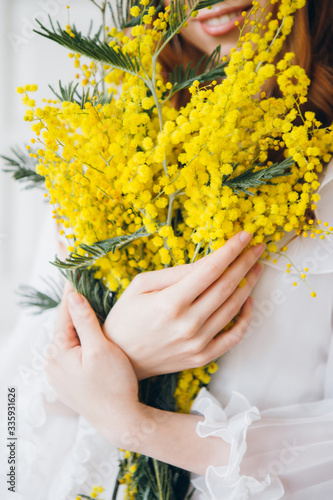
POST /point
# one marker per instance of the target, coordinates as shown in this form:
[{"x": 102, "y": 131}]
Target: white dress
[{"x": 272, "y": 398}]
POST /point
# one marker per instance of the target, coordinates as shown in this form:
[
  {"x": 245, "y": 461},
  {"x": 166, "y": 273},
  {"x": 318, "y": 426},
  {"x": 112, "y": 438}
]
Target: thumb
[{"x": 85, "y": 322}]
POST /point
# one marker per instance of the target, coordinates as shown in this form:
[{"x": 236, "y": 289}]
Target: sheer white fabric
[
  {"x": 58, "y": 454},
  {"x": 272, "y": 398}
]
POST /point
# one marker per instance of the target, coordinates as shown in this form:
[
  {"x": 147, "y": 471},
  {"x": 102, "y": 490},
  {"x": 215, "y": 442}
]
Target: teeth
[
  {"x": 215, "y": 7},
  {"x": 226, "y": 18}
]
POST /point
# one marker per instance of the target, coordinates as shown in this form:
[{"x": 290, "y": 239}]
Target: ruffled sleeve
[
  {"x": 231, "y": 425},
  {"x": 284, "y": 452}
]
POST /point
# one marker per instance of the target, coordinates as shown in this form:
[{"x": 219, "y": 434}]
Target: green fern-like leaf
[
  {"x": 69, "y": 93},
  {"x": 207, "y": 3},
  {"x": 23, "y": 168},
  {"x": 253, "y": 178},
  {"x": 92, "y": 47},
  {"x": 97, "y": 49},
  {"x": 41, "y": 300},
  {"x": 98, "y": 295},
  {"x": 208, "y": 68},
  {"x": 98, "y": 250}
]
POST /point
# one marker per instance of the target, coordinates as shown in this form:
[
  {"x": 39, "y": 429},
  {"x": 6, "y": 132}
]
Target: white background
[{"x": 26, "y": 58}]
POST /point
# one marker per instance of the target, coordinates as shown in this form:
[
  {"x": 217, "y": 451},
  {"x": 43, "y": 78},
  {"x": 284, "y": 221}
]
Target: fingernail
[
  {"x": 259, "y": 249},
  {"x": 75, "y": 299},
  {"x": 245, "y": 237}
]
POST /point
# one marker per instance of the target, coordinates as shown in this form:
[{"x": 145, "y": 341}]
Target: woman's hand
[
  {"x": 88, "y": 372},
  {"x": 94, "y": 377},
  {"x": 169, "y": 320}
]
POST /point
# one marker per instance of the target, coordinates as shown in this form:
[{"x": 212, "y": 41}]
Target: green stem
[
  {"x": 170, "y": 209},
  {"x": 115, "y": 492},
  {"x": 197, "y": 248},
  {"x": 171, "y": 32},
  {"x": 103, "y": 11},
  {"x": 160, "y": 492},
  {"x": 152, "y": 87},
  {"x": 105, "y": 41}
]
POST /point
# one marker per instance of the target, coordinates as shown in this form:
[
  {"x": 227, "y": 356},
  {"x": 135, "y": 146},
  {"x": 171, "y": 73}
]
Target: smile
[
  {"x": 216, "y": 21},
  {"x": 220, "y": 21}
]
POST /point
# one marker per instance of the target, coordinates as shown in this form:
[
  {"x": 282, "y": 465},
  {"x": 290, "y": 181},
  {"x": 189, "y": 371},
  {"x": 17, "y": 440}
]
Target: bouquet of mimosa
[{"x": 137, "y": 184}]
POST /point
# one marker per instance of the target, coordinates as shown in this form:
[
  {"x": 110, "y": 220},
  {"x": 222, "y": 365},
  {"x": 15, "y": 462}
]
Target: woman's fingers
[
  {"x": 223, "y": 288},
  {"x": 198, "y": 280},
  {"x": 65, "y": 335},
  {"x": 86, "y": 323},
  {"x": 63, "y": 315},
  {"x": 223, "y": 342},
  {"x": 154, "y": 281},
  {"x": 226, "y": 312}
]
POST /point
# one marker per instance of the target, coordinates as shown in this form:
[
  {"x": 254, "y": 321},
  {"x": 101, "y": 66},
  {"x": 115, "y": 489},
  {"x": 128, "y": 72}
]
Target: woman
[{"x": 265, "y": 429}]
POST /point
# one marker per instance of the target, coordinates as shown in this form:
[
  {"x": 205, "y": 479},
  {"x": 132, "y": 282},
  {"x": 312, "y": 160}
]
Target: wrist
[
  {"x": 138, "y": 428},
  {"x": 123, "y": 424},
  {"x": 166, "y": 436},
  {"x": 132, "y": 426}
]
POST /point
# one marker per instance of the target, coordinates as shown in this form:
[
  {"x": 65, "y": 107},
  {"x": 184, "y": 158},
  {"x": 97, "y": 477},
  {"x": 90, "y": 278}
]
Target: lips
[{"x": 221, "y": 20}]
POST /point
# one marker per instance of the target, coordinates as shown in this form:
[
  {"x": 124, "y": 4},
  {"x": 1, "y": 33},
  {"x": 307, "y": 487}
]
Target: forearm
[{"x": 168, "y": 437}]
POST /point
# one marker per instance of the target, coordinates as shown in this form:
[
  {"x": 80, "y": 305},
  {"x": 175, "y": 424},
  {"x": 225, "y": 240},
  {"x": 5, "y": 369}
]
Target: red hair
[{"x": 312, "y": 43}]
